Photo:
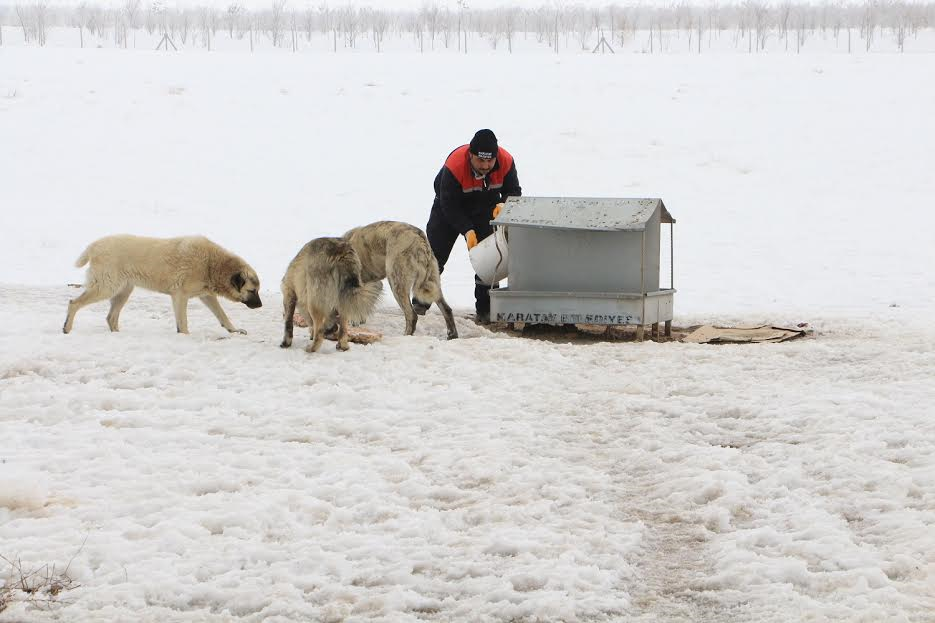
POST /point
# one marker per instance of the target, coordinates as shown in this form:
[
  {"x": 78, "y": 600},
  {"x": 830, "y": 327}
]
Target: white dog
[{"x": 180, "y": 267}]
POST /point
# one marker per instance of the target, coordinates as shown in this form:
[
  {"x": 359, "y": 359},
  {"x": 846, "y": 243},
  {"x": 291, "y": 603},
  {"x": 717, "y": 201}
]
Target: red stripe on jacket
[{"x": 459, "y": 163}]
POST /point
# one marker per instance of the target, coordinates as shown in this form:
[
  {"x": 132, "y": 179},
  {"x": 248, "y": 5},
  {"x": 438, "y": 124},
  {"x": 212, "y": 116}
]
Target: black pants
[{"x": 442, "y": 239}]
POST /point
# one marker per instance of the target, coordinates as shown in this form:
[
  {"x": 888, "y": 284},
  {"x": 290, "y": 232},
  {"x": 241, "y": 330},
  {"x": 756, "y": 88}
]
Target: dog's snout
[
  {"x": 420, "y": 307},
  {"x": 253, "y": 302}
]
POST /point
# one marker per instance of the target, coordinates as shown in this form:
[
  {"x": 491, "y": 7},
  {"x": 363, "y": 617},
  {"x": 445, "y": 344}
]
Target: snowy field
[{"x": 213, "y": 478}]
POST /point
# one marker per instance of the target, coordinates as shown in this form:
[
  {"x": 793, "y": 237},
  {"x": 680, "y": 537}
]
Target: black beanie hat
[{"x": 484, "y": 144}]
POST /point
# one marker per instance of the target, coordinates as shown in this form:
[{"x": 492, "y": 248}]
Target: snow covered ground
[{"x": 212, "y": 477}]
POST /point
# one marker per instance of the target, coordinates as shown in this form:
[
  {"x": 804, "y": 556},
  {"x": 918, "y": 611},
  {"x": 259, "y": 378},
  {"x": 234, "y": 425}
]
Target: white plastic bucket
[{"x": 489, "y": 258}]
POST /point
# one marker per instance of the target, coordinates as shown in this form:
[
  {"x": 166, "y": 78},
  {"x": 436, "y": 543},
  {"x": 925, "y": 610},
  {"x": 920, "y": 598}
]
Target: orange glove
[
  {"x": 471, "y": 239},
  {"x": 496, "y": 210}
]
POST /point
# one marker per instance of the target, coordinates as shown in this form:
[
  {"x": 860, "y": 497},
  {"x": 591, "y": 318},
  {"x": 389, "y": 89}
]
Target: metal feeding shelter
[{"x": 576, "y": 260}]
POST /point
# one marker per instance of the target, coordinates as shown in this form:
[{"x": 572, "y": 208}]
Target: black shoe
[{"x": 482, "y": 317}]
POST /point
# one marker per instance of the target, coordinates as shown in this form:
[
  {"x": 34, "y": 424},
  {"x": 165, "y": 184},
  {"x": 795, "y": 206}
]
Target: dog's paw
[
  {"x": 342, "y": 347},
  {"x": 285, "y": 344},
  {"x": 236, "y": 330}
]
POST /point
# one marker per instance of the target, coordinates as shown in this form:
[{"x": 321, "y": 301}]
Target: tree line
[{"x": 750, "y": 26}]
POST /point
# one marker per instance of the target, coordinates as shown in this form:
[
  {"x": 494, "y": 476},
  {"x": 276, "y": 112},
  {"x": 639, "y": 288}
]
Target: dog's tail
[
  {"x": 357, "y": 303},
  {"x": 84, "y": 258}
]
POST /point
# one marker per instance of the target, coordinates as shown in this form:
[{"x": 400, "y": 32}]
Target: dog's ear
[{"x": 238, "y": 281}]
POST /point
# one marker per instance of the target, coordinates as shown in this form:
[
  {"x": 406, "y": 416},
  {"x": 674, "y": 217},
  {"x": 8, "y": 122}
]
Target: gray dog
[
  {"x": 400, "y": 253},
  {"x": 324, "y": 283}
]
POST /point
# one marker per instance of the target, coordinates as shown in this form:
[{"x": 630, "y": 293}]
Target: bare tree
[
  {"x": 652, "y": 22},
  {"x": 206, "y": 21},
  {"x": 308, "y": 22},
  {"x": 430, "y": 18},
  {"x": 490, "y": 26},
  {"x": 902, "y": 22},
  {"x": 150, "y": 22},
  {"x": 825, "y": 18},
  {"x": 22, "y": 14},
  {"x": 699, "y": 28},
  {"x": 714, "y": 22},
  {"x": 416, "y": 27},
  {"x": 583, "y": 28},
  {"x": 656, "y": 19},
  {"x": 232, "y": 17},
  {"x": 558, "y": 19},
  {"x": 335, "y": 27},
  {"x": 350, "y": 25},
  {"x": 378, "y": 25},
  {"x": 252, "y": 26},
  {"x": 690, "y": 29},
  {"x": 760, "y": 16},
  {"x": 275, "y": 21},
  {"x": 462, "y": 5},
  {"x": 98, "y": 22},
  {"x": 849, "y": 28},
  {"x": 445, "y": 27},
  {"x": 95, "y": 23},
  {"x": 295, "y": 32},
  {"x": 541, "y": 28},
  {"x": 785, "y": 12},
  {"x": 620, "y": 25},
  {"x": 40, "y": 21},
  {"x": 131, "y": 11},
  {"x": 683, "y": 15},
  {"x": 741, "y": 25},
  {"x": 868, "y": 25},
  {"x": 800, "y": 19},
  {"x": 508, "y": 20},
  {"x": 82, "y": 18},
  {"x": 183, "y": 20},
  {"x": 327, "y": 23}
]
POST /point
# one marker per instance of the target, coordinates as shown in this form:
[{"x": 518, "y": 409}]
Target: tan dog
[
  {"x": 180, "y": 267},
  {"x": 324, "y": 282},
  {"x": 400, "y": 253}
]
